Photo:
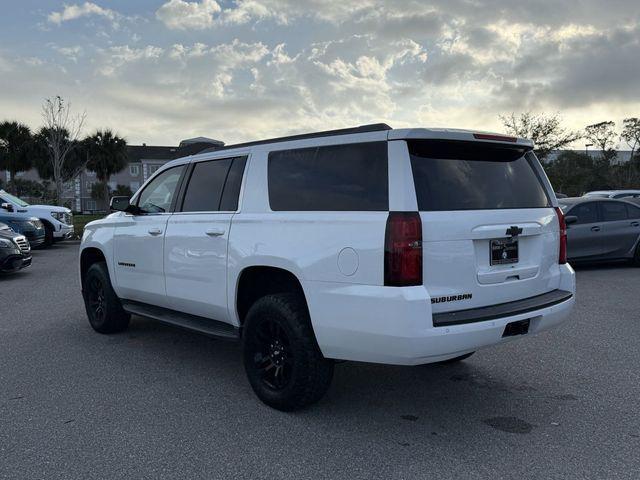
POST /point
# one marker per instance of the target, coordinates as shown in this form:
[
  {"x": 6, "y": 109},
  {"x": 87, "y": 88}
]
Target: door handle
[
  {"x": 595, "y": 229},
  {"x": 155, "y": 231},
  {"x": 635, "y": 224},
  {"x": 215, "y": 232}
]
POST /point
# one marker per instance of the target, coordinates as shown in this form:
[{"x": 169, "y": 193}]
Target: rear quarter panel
[{"x": 342, "y": 247}]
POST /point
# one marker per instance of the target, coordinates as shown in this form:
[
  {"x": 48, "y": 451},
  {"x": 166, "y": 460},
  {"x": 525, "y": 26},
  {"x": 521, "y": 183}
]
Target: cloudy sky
[{"x": 158, "y": 71}]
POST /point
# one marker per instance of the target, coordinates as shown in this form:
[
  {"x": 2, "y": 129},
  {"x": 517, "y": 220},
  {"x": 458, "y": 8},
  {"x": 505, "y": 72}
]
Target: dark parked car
[
  {"x": 15, "y": 252},
  {"x": 32, "y": 228},
  {"x": 601, "y": 229}
]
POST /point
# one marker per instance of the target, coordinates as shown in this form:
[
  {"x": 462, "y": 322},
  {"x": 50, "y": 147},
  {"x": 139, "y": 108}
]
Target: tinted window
[
  {"x": 586, "y": 212},
  {"x": 159, "y": 194},
  {"x": 633, "y": 212},
  {"x": 468, "y": 176},
  {"x": 231, "y": 192},
  {"x": 204, "y": 189},
  {"x": 334, "y": 178},
  {"x": 612, "y": 211}
]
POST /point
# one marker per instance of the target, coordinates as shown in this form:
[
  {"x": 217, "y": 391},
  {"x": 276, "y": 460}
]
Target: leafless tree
[
  {"x": 61, "y": 132},
  {"x": 546, "y": 131}
]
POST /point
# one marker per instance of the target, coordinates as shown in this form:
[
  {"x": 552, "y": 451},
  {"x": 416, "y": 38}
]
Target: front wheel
[
  {"x": 48, "y": 236},
  {"x": 281, "y": 356},
  {"x": 103, "y": 306}
]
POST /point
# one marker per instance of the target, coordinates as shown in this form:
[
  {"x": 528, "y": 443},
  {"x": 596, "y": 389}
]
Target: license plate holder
[{"x": 503, "y": 251}]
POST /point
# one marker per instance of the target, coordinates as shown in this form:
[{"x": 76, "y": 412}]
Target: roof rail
[{"x": 374, "y": 127}]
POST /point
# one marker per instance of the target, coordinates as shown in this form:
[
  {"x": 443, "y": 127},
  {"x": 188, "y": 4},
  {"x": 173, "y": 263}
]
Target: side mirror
[
  {"x": 119, "y": 204},
  {"x": 7, "y": 206},
  {"x": 569, "y": 219}
]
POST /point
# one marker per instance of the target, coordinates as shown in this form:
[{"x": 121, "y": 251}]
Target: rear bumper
[{"x": 395, "y": 325}]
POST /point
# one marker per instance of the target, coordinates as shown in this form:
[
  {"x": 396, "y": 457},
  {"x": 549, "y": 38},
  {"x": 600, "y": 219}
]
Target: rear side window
[
  {"x": 586, "y": 212},
  {"x": 471, "y": 176},
  {"x": 613, "y": 211},
  {"x": 634, "y": 212},
  {"x": 231, "y": 192},
  {"x": 214, "y": 186},
  {"x": 350, "y": 177}
]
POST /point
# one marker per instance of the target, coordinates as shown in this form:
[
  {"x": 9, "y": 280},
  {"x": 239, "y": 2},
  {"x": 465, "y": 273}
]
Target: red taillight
[
  {"x": 403, "y": 250},
  {"x": 562, "y": 256},
  {"x": 496, "y": 138}
]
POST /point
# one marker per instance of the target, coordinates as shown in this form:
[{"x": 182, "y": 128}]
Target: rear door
[
  {"x": 584, "y": 238},
  {"x": 619, "y": 231},
  {"x": 490, "y": 233},
  {"x": 195, "y": 258}
]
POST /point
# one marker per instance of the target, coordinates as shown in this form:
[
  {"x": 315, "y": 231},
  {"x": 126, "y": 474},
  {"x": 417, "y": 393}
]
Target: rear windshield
[{"x": 468, "y": 176}]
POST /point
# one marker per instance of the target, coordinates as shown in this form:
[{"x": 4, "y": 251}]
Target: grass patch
[{"x": 79, "y": 221}]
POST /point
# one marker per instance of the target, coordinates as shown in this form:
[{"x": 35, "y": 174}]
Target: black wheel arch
[
  {"x": 88, "y": 257},
  {"x": 257, "y": 281},
  {"x": 47, "y": 223}
]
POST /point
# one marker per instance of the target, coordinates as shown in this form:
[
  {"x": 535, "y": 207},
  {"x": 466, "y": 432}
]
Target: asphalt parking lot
[{"x": 155, "y": 402}]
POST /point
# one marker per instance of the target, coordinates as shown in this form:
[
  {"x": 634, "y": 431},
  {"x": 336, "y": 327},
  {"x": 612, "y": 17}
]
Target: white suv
[
  {"x": 57, "y": 221},
  {"x": 371, "y": 244}
]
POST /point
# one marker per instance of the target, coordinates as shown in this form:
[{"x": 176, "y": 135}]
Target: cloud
[
  {"x": 75, "y": 11},
  {"x": 200, "y": 15},
  {"x": 301, "y": 65},
  {"x": 183, "y": 15},
  {"x": 72, "y": 53}
]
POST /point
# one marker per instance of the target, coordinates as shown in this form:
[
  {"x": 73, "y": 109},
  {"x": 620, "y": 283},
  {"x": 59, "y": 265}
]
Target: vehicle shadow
[{"x": 432, "y": 399}]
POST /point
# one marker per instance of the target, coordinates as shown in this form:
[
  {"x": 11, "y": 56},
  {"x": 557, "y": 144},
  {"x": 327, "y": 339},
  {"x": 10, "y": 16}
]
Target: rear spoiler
[{"x": 459, "y": 136}]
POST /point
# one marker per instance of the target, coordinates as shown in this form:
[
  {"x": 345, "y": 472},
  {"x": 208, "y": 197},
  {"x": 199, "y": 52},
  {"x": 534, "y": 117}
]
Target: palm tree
[
  {"x": 16, "y": 144},
  {"x": 107, "y": 156}
]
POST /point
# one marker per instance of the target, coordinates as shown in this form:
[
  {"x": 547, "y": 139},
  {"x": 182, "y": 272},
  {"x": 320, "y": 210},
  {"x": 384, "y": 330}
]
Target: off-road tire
[
  {"x": 305, "y": 373},
  {"x": 103, "y": 306}
]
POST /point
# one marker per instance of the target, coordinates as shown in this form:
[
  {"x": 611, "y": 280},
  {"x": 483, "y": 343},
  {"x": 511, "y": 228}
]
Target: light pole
[{"x": 586, "y": 148}]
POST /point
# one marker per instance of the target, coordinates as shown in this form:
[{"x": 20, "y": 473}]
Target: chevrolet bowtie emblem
[{"x": 514, "y": 231}]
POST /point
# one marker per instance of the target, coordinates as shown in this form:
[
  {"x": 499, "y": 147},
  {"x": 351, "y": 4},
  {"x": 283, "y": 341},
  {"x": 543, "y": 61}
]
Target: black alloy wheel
[{"x": 273, "y": 356}]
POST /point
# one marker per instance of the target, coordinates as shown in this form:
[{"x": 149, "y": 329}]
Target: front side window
[
  {"x": 451, "y": 175},
  {"x": 586, "y": 212},
  {"x": 159, "y": 194},
  {"x": 613, "y": 211},
  {"x": 351, "y": 177}
]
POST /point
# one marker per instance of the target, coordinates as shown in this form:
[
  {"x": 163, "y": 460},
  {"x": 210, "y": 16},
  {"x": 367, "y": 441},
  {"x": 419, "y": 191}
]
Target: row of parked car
[
  {"x": 24, "y": 226},
  {"x": 603, "y": 226}
]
